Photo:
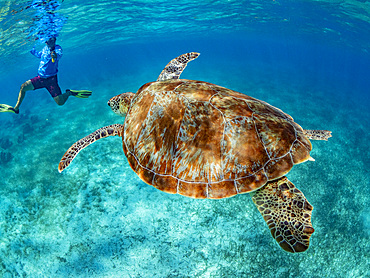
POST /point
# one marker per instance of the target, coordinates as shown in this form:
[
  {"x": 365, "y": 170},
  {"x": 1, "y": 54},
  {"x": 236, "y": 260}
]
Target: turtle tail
[{"x": 111, "y": 130}]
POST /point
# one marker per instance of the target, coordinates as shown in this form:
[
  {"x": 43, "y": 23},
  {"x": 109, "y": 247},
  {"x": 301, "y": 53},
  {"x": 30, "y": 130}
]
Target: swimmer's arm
[
  {"x": 59, "y": 52},
  {"x": 36, "y": 53}
]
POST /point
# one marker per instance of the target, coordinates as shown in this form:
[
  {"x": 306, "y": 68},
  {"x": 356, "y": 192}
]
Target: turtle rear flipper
[
  {"x": 317, "y": 134},
  {"x": 111, "y": 130},
  {"x": 287, "y": 214}
]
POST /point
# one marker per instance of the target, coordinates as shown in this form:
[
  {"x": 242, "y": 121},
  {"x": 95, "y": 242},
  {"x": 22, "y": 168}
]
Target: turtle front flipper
[
  {"x": 287, "y": 214},
  {"x": 111, "y": 130},
  {"x": 317, "y": 134},
  {"x": 176, "y": 66}
]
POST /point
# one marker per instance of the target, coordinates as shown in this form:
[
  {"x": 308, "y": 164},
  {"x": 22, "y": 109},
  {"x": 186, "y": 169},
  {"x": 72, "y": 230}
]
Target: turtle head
[{"x": 121, "y": 103}]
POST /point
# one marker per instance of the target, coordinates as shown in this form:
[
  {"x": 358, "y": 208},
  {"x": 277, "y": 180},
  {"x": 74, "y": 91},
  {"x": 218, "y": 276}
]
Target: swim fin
[
  {"x": 80, "y": 93},
  {"x": 8, "y": 108}
]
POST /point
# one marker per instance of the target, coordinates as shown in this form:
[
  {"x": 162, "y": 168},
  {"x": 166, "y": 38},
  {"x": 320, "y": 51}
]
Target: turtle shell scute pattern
[{"x": 205, "y": 141}]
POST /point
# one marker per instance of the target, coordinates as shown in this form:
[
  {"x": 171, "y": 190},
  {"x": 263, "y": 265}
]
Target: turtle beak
[{"x": 108, "y": 103}]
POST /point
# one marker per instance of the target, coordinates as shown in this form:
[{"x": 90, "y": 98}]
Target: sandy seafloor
[{"x": 98, "y": 219}]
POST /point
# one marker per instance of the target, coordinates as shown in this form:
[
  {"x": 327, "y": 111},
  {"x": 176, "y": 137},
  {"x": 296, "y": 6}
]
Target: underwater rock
[
  {"x": 34, "y": 119},
  {"x": 20, "y": 139},
  {"x": 5, "y": 143},
  {"x": 5, "y": 157},
  {"x": 27, "y": 128}
]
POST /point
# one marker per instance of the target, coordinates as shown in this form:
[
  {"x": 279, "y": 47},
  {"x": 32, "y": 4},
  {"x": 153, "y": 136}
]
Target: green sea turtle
[{"x": 202, "y": 140}]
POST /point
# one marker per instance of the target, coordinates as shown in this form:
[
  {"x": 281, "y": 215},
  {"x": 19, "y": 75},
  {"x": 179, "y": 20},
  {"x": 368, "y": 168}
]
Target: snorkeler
[{"x": 47, "y": 78}]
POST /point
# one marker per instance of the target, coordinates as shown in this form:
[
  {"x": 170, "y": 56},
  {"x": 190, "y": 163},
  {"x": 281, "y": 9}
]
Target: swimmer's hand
[{"x": 53, "y": 56}]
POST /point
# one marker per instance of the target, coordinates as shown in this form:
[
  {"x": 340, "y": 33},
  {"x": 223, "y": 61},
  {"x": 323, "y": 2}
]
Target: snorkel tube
[
  {"x": 51, "y": 44},
  {"x": 53, "y": 55}
]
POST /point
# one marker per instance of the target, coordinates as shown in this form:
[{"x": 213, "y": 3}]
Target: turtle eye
[{"x": 108, "y": 103}]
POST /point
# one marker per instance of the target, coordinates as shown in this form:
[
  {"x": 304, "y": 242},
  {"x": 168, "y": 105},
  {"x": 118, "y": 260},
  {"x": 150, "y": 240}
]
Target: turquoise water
[{"x": 98, "y": 219}]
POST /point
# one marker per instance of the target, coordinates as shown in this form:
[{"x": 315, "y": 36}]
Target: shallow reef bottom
[{"x": 98, "y": 219}]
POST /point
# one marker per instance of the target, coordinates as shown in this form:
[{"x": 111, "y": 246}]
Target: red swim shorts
[{"x": 50, "y": 83}]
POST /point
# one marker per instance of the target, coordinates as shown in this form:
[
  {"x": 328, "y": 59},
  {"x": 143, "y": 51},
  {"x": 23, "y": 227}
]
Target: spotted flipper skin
[
  {"x": 287, "y": 214},
  {"x": 111, "y": 130},
  {"x": 176, "y": 66},
  {"x": 317, "y": 134}
]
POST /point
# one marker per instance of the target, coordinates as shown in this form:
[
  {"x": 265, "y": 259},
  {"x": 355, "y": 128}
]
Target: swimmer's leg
[
  {"x": 61, "y": 99},
  {"x": 26, "y": 86}
]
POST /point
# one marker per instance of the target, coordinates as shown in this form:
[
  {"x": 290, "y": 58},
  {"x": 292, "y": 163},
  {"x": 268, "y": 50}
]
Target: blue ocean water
[{"x": 98, "y": 219}]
